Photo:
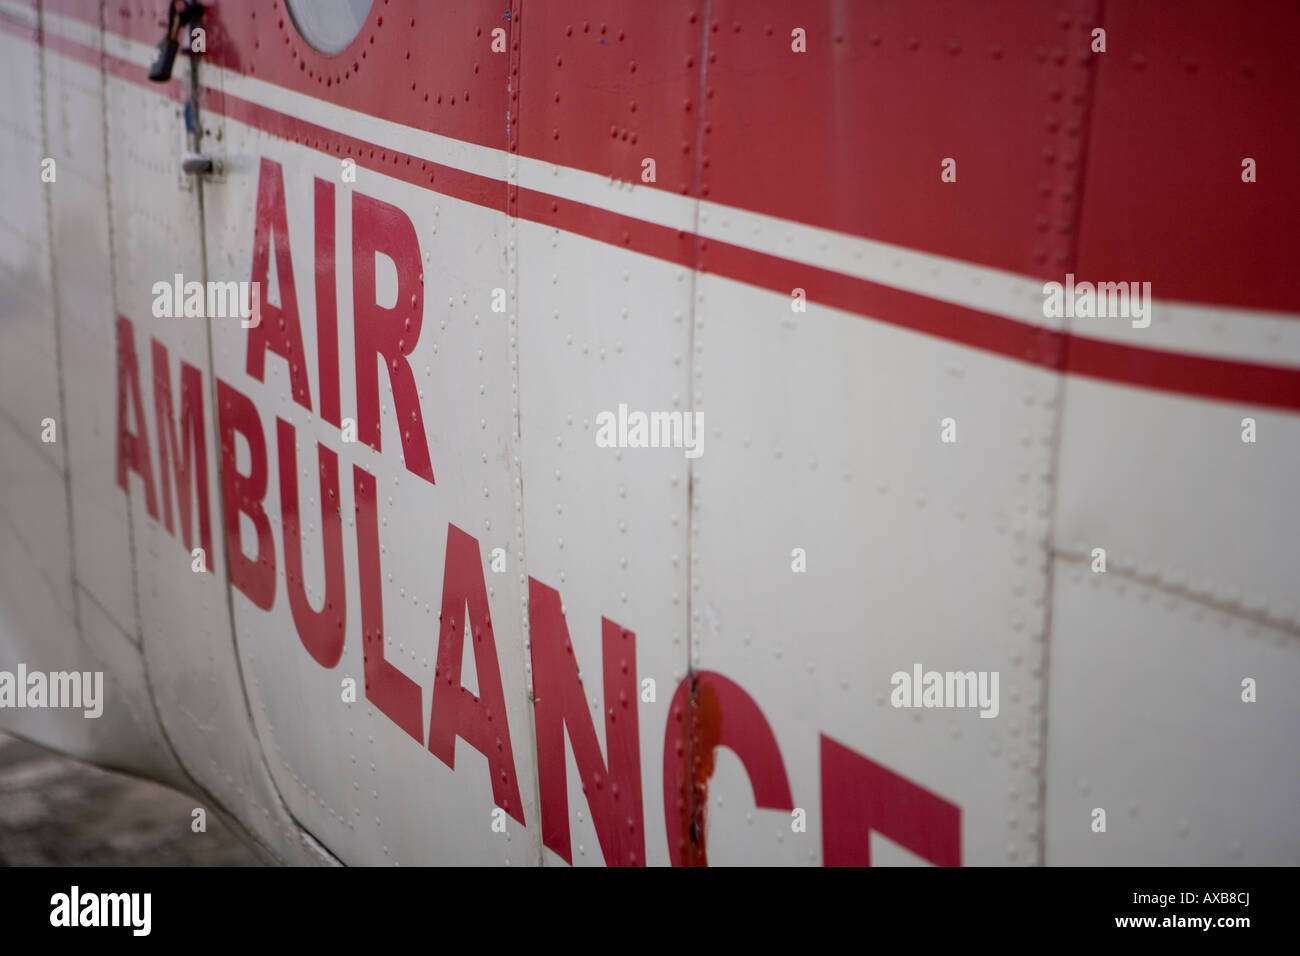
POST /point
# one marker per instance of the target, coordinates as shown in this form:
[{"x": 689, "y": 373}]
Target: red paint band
[{"x": 1167, "y": 371}]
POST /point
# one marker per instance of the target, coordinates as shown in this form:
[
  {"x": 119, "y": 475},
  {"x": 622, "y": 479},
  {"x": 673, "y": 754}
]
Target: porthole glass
[{"x": 329, "y": 26}]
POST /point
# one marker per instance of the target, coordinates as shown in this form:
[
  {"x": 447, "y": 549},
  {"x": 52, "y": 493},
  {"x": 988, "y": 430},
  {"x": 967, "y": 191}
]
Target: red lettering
[
  {"x": 321, "y": 632},
  {"x": 191, "y": 455},
  {"x": 244, "y": 494},
  {"x": 613, "y": 795},
  {"x": 132, "y": 446},
  {"x": 389, "y": 334},
  {"x": 859, "y": 795},
  {"x": 386, "y": 687},
  {"x": 695, "y": 729},
  {"x": 327, "y": 319},
  {"x": 279, "y": 331},
  {"x": 480, "y": 721}
]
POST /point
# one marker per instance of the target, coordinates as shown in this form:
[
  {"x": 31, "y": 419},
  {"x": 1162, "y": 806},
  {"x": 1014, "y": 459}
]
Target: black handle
[{"x": 179, "y": 13}]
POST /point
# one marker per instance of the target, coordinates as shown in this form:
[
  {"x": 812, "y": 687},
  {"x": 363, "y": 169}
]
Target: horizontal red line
[
  {"x": 615, "y": 229},
  {"x": 1246, "y": 383},
  {"x": 1161, "y": 370},
  {"x": 1181, "y": 373},
  {"x": 471, "y": 187},
  {"x": 10, "y": 24},
  {"x": 897, "y": 307}
]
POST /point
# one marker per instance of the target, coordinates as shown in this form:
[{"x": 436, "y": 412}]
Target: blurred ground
[{"x": 57, "y": 812}]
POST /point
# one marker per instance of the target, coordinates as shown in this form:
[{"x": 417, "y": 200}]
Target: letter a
[
  {"x": 499, "y": 40},
  {"x": 1099, "y": 560},
  {"x": 162, "y": 303},
  {"x": 611, "y": 785},
  {"x": 1247, "y": 170},
  {"x": 647, "y": 170},
  {"x": 132, "y": 446},
  {"x": 948, "y": 170},
  {"x": 1098, "y": 820},
  {"x": 606, "y": 430},
  {"x": 271, "y": 237},
  {"x": 1053, "y": 299},
  {"x": 798, "y": 41},
  {"x": 1248, "y": 690},
  {"x": 798, "y": 300},
  {"x": 1098, "y": 40},
  {"x": 901, "y": 695},
  {"x": 59, "y": 914},
  {"x": 1248, "y": 430}
]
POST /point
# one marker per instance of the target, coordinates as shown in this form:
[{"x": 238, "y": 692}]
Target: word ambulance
[{"x": 858, "y": 795}]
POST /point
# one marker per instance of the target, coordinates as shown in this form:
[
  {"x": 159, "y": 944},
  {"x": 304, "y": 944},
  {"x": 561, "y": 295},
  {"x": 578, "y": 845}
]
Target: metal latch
[{"x": 196, "y": 164}]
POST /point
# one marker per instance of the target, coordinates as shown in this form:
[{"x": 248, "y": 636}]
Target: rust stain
[{"x": 703, "y": 734}]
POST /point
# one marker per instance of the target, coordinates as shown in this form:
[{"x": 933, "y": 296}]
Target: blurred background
[{"x": 55, "y": 811}]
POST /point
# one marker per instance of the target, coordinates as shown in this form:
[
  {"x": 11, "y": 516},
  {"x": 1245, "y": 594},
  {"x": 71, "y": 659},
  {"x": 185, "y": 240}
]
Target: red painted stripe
[
  {"x": 91, "y": 56},
  {"x": 1189, "y": 90},
  {"x": 173, "y": 89},
  {"x": 852, "y": 134},
  {"x": 849, "y": 135},
  {"x": 18, "y": 28},
  {"x": 422, "y": 64},
  {"x": 1161, "y": 370},
  {"x": 471, "y": 187},
  {"x": 919, "y": 313},
  {"x": 1204, "y": 377},
  {"x": 1245, "y": 383},
  {"x": 636, "y": 235}
]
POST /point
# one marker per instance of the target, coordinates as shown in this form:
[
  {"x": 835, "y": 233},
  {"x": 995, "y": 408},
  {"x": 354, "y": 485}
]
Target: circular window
[{"x": 329, "y": 25}]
